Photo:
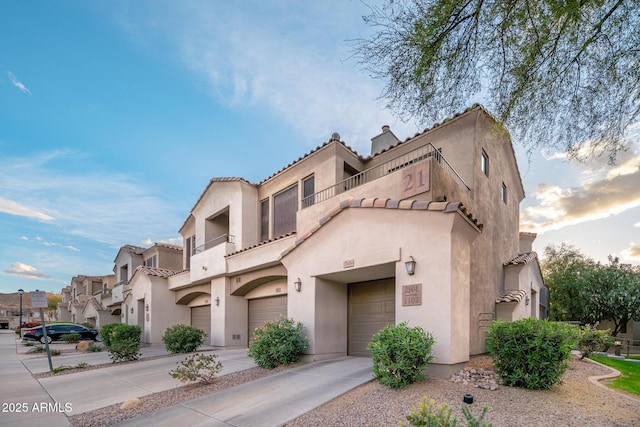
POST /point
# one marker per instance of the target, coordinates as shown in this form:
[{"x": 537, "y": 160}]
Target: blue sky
[{"x": 115, "y": 115}]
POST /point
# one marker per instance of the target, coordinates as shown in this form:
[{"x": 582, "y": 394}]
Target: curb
[{"x": 614, "y": 374}]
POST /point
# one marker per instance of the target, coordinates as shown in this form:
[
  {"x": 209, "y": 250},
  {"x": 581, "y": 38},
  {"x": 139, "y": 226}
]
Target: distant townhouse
[{"x": 424, "y": 230}]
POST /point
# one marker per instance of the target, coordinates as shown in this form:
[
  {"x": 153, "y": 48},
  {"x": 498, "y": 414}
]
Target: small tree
[
  {"x": 197, "y": 367},
  {"x": 584, "y": 290}
]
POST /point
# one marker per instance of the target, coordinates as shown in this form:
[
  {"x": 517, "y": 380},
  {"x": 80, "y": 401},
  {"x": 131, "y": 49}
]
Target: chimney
[
  {"x": 526, "y": 241},
  {"x": 383, "y": 141}
]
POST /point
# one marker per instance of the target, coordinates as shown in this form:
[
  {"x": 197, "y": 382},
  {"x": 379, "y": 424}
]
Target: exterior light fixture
[
  {"x": 297, "y": 284},
  {"x": 526, "y": 300},
  {"x": 146, "y": 307},
  {"x": 131, "y": 310},
  {"x": 20, "y": 292},
  {"x": 217, "y": 300},
  {"x": 411, "y": 266}
]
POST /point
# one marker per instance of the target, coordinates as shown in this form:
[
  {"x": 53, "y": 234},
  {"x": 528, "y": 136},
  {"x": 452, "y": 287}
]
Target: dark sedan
[{"x": 55, "y": 332}]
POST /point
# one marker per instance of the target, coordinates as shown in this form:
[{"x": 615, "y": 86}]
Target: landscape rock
[
  {"x": 478, "y": 377},
  {"x": 130, "y": 404},
  {"x": 83, "y": 345}
]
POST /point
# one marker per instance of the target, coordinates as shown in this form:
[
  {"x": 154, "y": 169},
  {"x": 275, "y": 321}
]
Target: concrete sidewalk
[
  {"x": 94, "y": 389},
  {"x": 270, "y": 401}
]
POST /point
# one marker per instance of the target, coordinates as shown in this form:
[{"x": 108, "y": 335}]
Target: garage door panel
[
  {"x": 371, "y": 308},
  {"x": 201, "y": 319},
  {"x": 263, "y": 310}
]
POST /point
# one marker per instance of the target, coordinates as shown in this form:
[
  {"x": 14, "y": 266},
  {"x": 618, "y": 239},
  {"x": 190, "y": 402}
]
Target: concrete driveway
[{"x": 270, "y": 401}]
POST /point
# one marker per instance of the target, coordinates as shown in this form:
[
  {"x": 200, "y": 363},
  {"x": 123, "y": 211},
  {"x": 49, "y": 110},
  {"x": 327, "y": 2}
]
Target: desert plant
[
  {"x": 37, "y": 349},
  {"x": 591, "y": 339},
  {"x": 400, "y": 354},
  {"x": 94, "y": 348},
  {"x": 531, "y": 353},
  {"x": 278, "y": 342},
  {"x": 197, "y": 367},
  {"x": 429, "y": 415},
  {"x": 71, "y": 338},
  {"x": 122, "y": 341},
  {"x": 183, "y": 338}
]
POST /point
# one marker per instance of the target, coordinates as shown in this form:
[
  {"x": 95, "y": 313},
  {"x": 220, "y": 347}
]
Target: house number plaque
[{"x": 412, "y": 294}]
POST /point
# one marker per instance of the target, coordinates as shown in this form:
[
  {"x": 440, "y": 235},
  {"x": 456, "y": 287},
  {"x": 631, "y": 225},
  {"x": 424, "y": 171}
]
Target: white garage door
[
  {"x": 262, "y": 310},
  {"x": 201, "y": 319},
  {"x": 371, "y": 307}
]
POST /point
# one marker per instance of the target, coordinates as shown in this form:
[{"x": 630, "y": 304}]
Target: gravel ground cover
[{"x": 575, "y": 402}]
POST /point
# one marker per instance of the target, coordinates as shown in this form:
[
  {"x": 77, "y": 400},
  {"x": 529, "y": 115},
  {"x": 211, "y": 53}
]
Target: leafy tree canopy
[
  {"x": 590, "y": 292},
  {"x": 563, "y": 75}
]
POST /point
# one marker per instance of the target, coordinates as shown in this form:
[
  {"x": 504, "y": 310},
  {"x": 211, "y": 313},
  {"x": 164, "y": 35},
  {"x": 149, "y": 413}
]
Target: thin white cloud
[
  {"x": 18, "y": 84},
  {"x": 14, "y": 208},
  {"x": 43, "y": 242},
  {"x": 632, "y": 253},
  {"x": 281, "y": 59},
  {"x": 96, "y": 205},
  {"x": 26, "y": 271}
]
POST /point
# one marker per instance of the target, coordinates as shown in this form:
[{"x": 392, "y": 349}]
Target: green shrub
[
  {"x": 591, "y": 339},
  {"x": 37, "y": 349},
  {"x": 71, "y": 338},
  {"x": 279, "y": 342},
  {"x": 430, "y": 415},
  {"x": 183, "y": 338},
  {"x": 122, "y": 341},
  {"x": 106, "y": 332},
  {"x": 531, "y": 353},
  {"x": 400, "y": 354},
  {"x": 197, "y": 367}
]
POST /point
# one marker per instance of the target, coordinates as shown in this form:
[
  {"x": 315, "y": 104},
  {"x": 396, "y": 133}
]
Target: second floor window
[
  {"x": 308, "y": 188},
  {"x": 190, "y": 250},
  {"x": 264, "y": 220},
  {"x": 285, "y": 206},
  {"x": 485, "y": 163},
  {"x": 151, "y": 261}
]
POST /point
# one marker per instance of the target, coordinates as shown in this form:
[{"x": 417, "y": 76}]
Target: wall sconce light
[
  {"x": 131, "y": 310},
  {"x": 146, "y": 307},
  {"x": 411, "y": 266},
  {"x": 204, "y": 267},
  {"x": 526, "y": 300},
  {"x": 297, "y": 284},
  {"x": 217, "y": 301}
]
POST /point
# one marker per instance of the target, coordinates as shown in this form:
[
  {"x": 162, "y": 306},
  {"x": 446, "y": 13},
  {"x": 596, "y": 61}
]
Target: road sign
[{"x": 39, "y": 299}]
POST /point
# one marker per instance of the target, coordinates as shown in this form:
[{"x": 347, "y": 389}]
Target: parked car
[{"x": 55, "y": 332}]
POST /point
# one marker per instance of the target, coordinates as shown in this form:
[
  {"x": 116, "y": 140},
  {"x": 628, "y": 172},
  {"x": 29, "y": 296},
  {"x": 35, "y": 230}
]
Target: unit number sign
[{"x": 415, "y": 179}]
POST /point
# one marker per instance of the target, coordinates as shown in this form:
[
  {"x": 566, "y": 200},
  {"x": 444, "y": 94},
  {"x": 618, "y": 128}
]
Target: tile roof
[
  {"x": 511, "y": 296},
  {"x": 155, "y": 271},
  {"x": 262, "y": 243},
  {"x": 522, "y": 258},
  {"x": 445, "y": 207}
]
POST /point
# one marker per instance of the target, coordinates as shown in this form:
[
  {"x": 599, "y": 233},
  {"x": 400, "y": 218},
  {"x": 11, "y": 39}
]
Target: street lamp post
[{"x": 20, "y": 292}]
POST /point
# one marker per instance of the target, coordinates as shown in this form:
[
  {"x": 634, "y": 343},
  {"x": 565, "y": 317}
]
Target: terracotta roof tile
[
  {"x": 264, "y": 243},
  {"x": 511, "y": 296},
  {"x": 522, "y": 258},
  {"x": 155, "y": 271}
]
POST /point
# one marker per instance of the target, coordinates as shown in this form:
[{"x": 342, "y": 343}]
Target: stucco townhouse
[{"x": 423, "y": 230}]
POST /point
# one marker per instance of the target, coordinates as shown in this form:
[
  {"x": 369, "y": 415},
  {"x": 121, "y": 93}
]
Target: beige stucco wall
[
  {"x": 372, "y": 240},
  {"x": 162, "y": 313}
]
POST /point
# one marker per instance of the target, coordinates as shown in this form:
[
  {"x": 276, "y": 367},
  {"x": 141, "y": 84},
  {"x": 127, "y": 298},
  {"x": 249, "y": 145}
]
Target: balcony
[
  {"x": 225, "y": 238},
  {"x": 384, "y": 169},
  {"x": 208, "y": 259},
  {"x": 118, "y": 292}
]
